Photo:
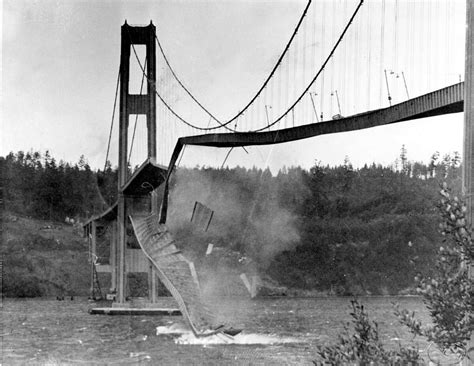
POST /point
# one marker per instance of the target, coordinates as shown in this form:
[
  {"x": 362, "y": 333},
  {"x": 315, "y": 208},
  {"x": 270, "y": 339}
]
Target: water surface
[{"x": 277, "y": 331}]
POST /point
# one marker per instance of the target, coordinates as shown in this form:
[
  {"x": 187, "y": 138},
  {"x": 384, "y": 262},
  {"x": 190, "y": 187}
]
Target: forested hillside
[
  {"x": 40, "y": 187},
  {"x": 332, "y": 229}
]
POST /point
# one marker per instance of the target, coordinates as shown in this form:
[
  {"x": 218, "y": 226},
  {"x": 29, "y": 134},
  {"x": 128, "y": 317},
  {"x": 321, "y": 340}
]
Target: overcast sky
[{"x": 60, "y": 63}]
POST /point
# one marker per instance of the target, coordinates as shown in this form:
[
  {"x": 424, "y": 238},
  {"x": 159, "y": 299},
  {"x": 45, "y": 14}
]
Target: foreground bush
[
  {"x": 449, "y": 294},
  {"x": 363, "y": 346}
]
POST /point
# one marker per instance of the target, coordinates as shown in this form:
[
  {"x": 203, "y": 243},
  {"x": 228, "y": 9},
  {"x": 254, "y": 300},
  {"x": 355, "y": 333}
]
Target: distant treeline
[
  {"x": 368, "y": 230},
  {"x": 353, "y": 230},
  {"x": 38, "y": 186}
]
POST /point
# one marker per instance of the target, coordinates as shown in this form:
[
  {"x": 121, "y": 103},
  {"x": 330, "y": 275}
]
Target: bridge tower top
[{"x": 133, "y": 104}]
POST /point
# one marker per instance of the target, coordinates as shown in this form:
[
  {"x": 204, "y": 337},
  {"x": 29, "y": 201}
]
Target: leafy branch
[
  {"x": 449, "y": 294},
  {"x": 363, "y": 346}
]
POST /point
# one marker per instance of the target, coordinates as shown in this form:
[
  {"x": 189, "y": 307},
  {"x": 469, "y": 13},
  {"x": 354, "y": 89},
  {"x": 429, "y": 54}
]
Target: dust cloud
[
  {"x": 248, "y": 229},
  {"x": 247, "y": 221}
]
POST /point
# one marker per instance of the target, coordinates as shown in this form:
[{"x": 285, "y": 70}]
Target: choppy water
[{"x": 281, "y": 331}]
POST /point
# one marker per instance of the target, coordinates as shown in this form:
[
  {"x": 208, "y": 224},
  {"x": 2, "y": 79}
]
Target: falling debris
[
  {"x": 202, "y": 216},
  {"x": 209, "y": 249},
  {"x": 194, "y": 273},
  {"x": 246, "y": 282},
  {"x": 253, "y": 287}
]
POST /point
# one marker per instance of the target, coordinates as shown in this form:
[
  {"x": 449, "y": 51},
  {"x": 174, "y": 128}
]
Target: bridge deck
[{"x": 444, "y": 101}]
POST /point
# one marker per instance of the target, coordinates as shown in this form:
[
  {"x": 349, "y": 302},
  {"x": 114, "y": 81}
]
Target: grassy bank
[{"x": 43, "y": 258}]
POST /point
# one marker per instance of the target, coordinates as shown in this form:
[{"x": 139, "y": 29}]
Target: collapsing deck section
[{"x": 175, "y": 271}]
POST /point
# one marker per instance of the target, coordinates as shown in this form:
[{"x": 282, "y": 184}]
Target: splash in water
[{"x": 186, "y": 336}]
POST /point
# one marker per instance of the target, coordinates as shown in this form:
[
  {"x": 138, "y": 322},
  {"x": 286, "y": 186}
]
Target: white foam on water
[
  {"x": 241, "y": 338},
  {"x": 186, "y": 336},
  {"x": 172, "y": 329}
]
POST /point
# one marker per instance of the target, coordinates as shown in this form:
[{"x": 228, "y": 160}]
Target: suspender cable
[
  {"x": 112, "y": 121},
  {"x": 382, "y": 44},
  {"x": 287, "y": 85},
  {"x": 294, "y": 79},
  {"x": 369, "y": 50},
  {"x": 331, "y": 67},
  {"x": 314, "y": 106},
  {"x": 342, "y": 76},
  {"x": 395, "y": 41},
  {"x": 388, "y": 89},
  {"x": 225, "y": 159},
  {"x": 312, "y": 59},
  {"x": 405, "y": 83},
  {"x": 323, "y": 15},
  {"x": 357, "y": 71},
  {"x": 320, "y": 70},
  {"x": 280, "y": 79}
]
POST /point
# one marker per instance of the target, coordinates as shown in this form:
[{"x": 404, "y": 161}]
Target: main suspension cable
[
  {"x": 318, "y": 73},
  {"x": 169, "y": 107},
  {"x": 240, "y": 113},
  {"x": 257, "y": 94},
  {"x": 181, "y": 84}
]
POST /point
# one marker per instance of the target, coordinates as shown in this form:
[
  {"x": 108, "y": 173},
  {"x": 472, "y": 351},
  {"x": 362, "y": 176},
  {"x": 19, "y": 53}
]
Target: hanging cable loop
[
  {"x": 257, "y": 94},
  {"x": 266, "y": 82}
]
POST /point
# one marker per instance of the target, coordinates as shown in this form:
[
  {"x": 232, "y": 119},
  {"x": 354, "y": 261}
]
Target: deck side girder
[{"x": 443, "y": 101}]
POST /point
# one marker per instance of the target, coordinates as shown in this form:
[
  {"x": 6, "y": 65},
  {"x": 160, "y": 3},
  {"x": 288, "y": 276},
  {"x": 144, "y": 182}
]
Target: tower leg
[
  {"x": 92, "y": 255},
  {"x": 121, "y": 244},
  {"x": 468, "y": 166},
  {"x": 113, "y": 258}
]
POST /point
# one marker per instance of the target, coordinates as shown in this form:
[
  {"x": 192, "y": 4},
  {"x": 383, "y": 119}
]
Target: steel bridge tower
[
  {"x": 133, "y": 104},
  {"x": 134, "y": 196}
]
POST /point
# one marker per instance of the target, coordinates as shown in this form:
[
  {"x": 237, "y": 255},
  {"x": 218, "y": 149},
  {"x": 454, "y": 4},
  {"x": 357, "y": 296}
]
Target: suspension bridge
[{"x": 346, "y": 66}]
